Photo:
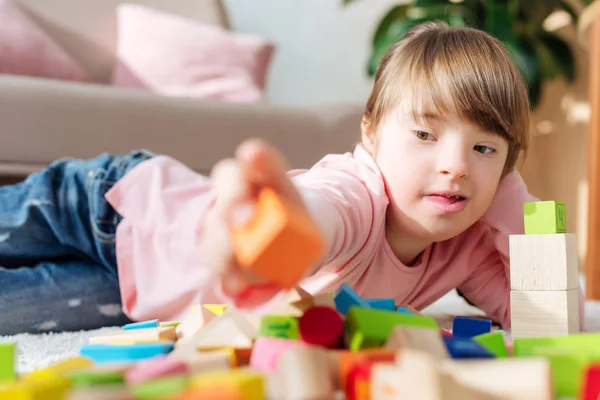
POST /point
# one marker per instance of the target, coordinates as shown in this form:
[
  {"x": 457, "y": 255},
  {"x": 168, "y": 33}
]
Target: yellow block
[
  {"x": 249, "y": 382},
  {"x": 37, "y": 389},
  {"x": 60, "y": 369},
  {"x": 216, "y": 309}
]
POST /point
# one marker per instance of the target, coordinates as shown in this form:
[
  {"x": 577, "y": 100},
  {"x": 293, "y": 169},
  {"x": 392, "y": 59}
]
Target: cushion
[
  {"x": 25, "y": 49},
  {"x": 176, "y": 56}
]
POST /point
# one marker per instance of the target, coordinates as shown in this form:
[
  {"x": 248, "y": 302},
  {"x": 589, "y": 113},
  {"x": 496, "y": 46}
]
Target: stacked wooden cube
[{"x": 544, "y": 282}]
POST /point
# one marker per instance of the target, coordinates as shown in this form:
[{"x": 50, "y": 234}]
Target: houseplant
[{"x": 541, "y": 55}]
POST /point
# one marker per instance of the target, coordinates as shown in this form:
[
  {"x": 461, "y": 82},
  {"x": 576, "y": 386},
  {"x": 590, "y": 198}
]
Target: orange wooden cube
[{"x": 280, "y": 243}]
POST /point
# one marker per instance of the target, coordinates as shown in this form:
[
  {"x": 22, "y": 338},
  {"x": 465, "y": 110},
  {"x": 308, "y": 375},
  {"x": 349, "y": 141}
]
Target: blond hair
[{"x": 444, "y": 68}]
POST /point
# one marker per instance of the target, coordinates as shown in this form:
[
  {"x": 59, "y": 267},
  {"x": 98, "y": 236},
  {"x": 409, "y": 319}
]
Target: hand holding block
[
  {"x": 545, "y": 217},
  {"x": 280, "y": 243}
]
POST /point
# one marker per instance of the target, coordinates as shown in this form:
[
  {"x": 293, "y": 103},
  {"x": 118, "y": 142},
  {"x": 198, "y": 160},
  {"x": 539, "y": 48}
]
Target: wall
[{"x": 322, "y": 47}]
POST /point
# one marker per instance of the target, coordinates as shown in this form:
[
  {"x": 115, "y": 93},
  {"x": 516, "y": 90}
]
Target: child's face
[{"x": 426, "y": 162}]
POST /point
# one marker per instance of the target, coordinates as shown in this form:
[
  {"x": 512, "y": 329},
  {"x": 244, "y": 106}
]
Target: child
[{"x": 424, "y": 204}]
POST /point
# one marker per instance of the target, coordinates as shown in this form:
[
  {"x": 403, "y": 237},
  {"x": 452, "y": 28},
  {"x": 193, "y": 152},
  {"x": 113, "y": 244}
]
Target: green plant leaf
[
  {"x": 391, "y": 25},
  {"x": 499, "y": 20},
  {"x": 535, "y": 94},
  {"x": 525, "y": 57},
  {"x": 453, "y": 14},
  {"x": 427, "y": 3},
  {"x": 346, "y": 2},
  {"x": 562, "y": 53},
  {"x": 384, "y": 43}
]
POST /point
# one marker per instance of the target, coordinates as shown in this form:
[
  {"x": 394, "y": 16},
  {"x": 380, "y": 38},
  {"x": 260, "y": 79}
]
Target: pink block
[
  {"x": 158, "y": 367},
  {"x": 267, "y": 350}
]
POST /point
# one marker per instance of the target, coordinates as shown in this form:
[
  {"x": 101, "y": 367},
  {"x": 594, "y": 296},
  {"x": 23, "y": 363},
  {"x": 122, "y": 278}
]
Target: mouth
[{"x": 450, "y": 197}]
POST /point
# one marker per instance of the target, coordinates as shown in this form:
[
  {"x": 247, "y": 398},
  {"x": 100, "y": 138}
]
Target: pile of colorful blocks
[{"x": 322, "y": 347}]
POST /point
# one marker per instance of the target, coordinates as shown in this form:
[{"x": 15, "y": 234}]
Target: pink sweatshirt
[{"x": 164, "y": 205}]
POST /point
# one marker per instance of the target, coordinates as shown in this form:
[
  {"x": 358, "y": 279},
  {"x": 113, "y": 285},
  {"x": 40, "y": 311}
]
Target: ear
[{"x": 367, "y": 134}]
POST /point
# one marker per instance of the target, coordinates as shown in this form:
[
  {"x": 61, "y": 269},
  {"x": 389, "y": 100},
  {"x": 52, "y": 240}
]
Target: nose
[{"x": 453, "y": 161}]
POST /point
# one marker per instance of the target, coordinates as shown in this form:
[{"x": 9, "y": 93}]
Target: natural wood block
[
  {"x": 417, "y": 338},
  {"x": 545, "y": 217},
  {"x": 281, "y": 242},
  {"x": 306, "y": 374},
  {"x": 509, "y": 378},
  {"x": 197, "y": 317},
  {"x": 544, "y": 262},
  {"x": 136, "y": 336},
  {"x": 231, "y": 329},
  {"x": 544, "y": 313}
]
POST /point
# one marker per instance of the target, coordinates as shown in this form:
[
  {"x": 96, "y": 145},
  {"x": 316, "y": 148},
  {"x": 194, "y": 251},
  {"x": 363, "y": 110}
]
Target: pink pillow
[
  {"x": 175, "y": 56},
  {"x": 25, "y": 49}
]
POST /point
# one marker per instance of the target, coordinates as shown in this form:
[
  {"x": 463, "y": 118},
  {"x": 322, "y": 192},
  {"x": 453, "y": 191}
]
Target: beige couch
[{"x": 42, "y": 120}]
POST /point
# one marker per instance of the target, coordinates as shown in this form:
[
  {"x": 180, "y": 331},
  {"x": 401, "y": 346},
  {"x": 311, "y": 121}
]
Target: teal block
[
  {"x": 545, "y": 217},
  {"x": 346, "y": 297},
  {"x": 382, "y": 304},
  {"x": 153, "y": 323}
]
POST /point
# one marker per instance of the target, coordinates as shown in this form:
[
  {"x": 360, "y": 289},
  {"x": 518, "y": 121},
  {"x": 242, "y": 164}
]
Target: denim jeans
[{"x": 58, "y": 269}]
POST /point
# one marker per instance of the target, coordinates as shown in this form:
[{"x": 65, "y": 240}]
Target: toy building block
[
  {"x": 8, "y": 355},
  {"x": 543, "y": 262},
  {"x": 274, "y": 385},
  {"x": 465, "y": 327},
  {"x": 382, "y": 304},
  {"x": 153, "y": 323},
  {"x": 465, "y": 348},
  {"x": 232, "y": 329},
  {"x": 415, "y": 375},
  {"x": 404, "y": 310},
  {"x": 323, "y": 326},
  {"x": 244, "y": 380},
  {"x": 511, "y": 378},
  {"x": 100, "y": 392},
  {"x": 201, "y": 362},
  {"x": 160, "y": 388},
  {"x": 358, "y": 381},
  {"x": 545, "y": 217},
  {"x": 591, "y": 383},
  {"x": 341, "y": 362},
  {"x": 158, "y": 367},
  {"x": 281, "y": 326},
  {"x": 544, "y": 313},
  {"x": 106, "y": 353},
  {"x": 409, "y": 308},
  {"x": 95, "y": 377},
  {"x": 59, "y": 369},
  {"x": 164, "y": 324},
  {"x": 281, "y": 243},
  {"x": 577, "y": 343},
  {"x": 319, "y": 299},
  {"x": 417, "y": 338},
  {"x": 197, "y": 317},
  {"x": 267, "y": 351},
  {"x": 494, "y": 342},
  {"x": 216, "y": 309},
  {"x": 362, "y": 332},
  {"x": 346, "y": 297},
  {"x": 40, "y": 389},
  {"x": 306, "y": 374},
  {"x": 136, "y": 336}
]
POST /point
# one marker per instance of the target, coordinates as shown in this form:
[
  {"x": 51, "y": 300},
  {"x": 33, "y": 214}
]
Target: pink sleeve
[
  {"x": 505, "y": 218},
  {"x": 345, "y": 198}
]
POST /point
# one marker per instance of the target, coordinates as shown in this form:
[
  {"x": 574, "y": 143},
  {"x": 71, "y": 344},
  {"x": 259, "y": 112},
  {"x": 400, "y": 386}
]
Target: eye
[
  {"x": 423, "y": 135},
  {"x": 484, "y": 149}
]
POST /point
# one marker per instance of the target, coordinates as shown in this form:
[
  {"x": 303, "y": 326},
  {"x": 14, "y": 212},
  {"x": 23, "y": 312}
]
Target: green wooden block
[
  {"x": 92, "y": 378},
  {"x": 545, "y": 217},
  {"x": 576, "y": 342},
  {"x": 8, "y": 353},
  {"x": 160, "y": 388},
  {"x": 494, "y": 342},
  {"x": 368, "y": 327},
  {"x": 281, "y": 326}
]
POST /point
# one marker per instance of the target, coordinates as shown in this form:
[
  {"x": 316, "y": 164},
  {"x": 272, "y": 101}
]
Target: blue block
[
  {"x": 464, "y": 327},
  {"x": 346, "y": 297},
  {"x": 153, "y": 323},
  {"x": 382, "y": 304},
  {"x": 101, "y": 353},
  {"x": 404, "y": 310},
  {"x": 465, "y": 348}
]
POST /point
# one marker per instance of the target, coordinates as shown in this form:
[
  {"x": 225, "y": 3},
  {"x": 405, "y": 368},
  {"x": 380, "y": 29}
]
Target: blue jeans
[{"x": 58, "y": 269}]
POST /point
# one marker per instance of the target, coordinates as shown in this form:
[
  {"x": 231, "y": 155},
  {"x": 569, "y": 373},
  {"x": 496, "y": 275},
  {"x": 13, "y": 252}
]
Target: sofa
[{"x": 46, "y": 119}]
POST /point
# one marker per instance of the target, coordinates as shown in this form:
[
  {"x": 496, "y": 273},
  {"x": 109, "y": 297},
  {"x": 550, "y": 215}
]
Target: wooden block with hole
[
  {"x": 136, "y": 336},
  {"x": 544, "y": 262},
  {"x": 427, "y": 340},
  {"x": 544, "y": 313},
  {"x": 280, "y": 243},
  {"x": 521, "y": 378}
]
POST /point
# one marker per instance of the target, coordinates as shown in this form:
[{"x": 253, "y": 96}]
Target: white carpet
[{"x": 38, "y": 351}]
